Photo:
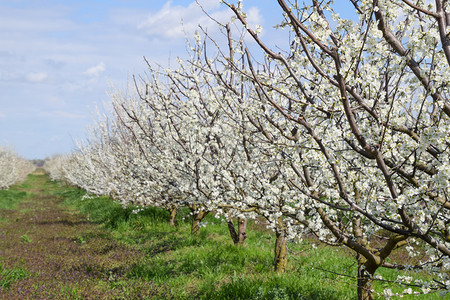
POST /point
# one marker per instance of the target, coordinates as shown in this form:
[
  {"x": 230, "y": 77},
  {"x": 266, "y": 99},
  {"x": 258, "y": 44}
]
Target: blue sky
[{"x": 59, "y": 58}]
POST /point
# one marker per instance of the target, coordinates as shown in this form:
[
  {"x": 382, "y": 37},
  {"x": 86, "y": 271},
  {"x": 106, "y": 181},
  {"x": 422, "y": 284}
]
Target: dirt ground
[{"x": 63, "y": 255}]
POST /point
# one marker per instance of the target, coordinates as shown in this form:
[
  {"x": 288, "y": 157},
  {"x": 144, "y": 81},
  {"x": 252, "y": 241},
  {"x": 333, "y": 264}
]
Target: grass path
[
  {"x": 53, "y": 245},
  {"x": 49, "y": 251}
]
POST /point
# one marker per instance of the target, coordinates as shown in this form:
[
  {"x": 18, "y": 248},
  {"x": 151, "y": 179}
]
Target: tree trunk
[
  {"x": 242, "y": 228},
  {"x": 232, "y": 230},
  {"x": 240, "y": 236},
  {"x": 365, "y": 281},
  {"x": 198, "y": 217},
  {"x": 173, "y": 214},
  {"x": 280, "y": 261}
]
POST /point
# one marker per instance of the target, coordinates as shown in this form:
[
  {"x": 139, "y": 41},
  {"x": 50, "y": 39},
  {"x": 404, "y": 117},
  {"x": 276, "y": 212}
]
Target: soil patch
[{"x": 61, "y": 253}]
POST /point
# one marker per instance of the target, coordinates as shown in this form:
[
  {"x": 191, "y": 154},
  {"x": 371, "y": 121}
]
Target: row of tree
[
  {"x": 345, "y": 135},
  {"x": 13, "y": 168}
]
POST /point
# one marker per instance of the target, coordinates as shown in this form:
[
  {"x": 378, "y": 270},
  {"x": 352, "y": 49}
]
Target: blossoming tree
[
  {"x": 365, "y": 105},
  {"x": 344, "y": 135}
]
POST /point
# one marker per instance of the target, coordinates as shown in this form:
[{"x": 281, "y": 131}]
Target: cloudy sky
[{"x": 58, "y": 58}]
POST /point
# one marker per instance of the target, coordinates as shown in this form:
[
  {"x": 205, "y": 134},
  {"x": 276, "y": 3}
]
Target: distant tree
[
  {"x": 13, "y": 168},
  {"x": 38, "y": 162}
]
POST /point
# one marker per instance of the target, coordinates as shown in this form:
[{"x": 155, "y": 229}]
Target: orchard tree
[
  {"x": 54, "y": 166},
  {"x": 249, "y": 176},
  {"x": 363, "y": 107},
  {"x": 110, "y": 162},
  {"x": 154, "y": 178},
  {"x": 188, "y": 120},
  {"x": 171, "y": 136},
  {"x": 93, "y": 167}
]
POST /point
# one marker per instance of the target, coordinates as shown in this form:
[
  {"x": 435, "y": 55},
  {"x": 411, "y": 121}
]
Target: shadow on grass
[{"x": 64, "y": 222}]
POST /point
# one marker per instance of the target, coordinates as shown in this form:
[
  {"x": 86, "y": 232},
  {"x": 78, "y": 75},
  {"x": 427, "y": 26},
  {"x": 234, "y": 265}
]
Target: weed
[
  {"x": 80, "y": 240},
  {"x": 7, "y": 277},
  {"x": 26, "y": 239}
]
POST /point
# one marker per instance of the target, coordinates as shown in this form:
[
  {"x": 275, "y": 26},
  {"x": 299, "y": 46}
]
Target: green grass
[
  {"x": 9, "y": 199},
  {"x": 7, "y": 276},
  {"x": 209, "y": 266}
]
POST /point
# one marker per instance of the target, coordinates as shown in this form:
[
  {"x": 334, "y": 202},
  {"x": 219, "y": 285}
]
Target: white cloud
[
  {"x": 176, "y": 21},
  {"x": 96, "y": 70},
  {"x": 254, "y": 17},
  {"x": 36, "y": 77}
]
